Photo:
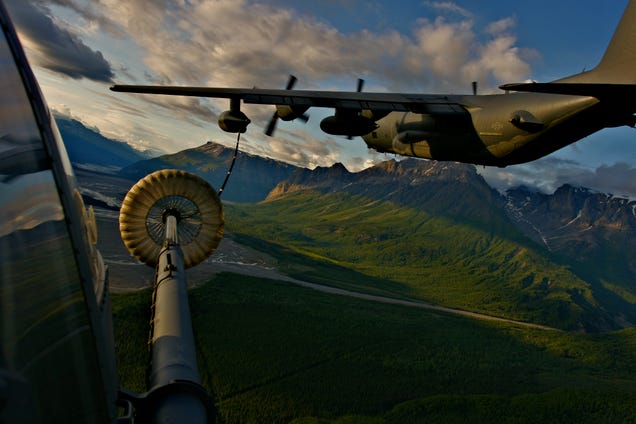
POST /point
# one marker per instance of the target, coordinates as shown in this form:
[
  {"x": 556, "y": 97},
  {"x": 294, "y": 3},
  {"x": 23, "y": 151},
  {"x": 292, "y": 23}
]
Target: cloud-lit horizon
[{"x": 78, "y": 47}]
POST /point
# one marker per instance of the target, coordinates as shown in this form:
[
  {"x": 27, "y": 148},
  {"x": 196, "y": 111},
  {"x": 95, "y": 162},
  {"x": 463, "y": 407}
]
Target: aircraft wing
[
  {"x": 599, "y": 90},
  {"x": 419, "y": 103}
]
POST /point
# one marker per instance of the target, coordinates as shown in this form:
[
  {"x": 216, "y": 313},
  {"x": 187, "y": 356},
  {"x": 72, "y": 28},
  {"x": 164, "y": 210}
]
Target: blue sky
[{"x": 78, "y": 48}]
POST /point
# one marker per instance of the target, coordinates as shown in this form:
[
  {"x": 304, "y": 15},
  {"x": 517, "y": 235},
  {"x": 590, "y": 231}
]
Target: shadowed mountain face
[
  {"x": 594, "y": 232},
  {"x": 87, "y": 146},
  {"x": 573, "y": 214}
]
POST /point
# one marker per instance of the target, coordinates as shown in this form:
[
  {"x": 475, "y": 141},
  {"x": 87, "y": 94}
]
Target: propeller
[
  {"x": 360, "y": 85},
  {"x": 271, "y": 127},
  {"x": 359, "y": 88}
]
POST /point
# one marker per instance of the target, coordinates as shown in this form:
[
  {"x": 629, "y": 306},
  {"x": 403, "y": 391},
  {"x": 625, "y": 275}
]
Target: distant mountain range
[
  {"x": 252, "y": 177},
  {"x": 88, "y": 147},
  {"x": 565, "y": 258}
]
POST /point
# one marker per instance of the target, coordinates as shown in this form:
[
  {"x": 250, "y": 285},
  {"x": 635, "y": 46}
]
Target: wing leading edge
[{"x": 418, "y": 103}]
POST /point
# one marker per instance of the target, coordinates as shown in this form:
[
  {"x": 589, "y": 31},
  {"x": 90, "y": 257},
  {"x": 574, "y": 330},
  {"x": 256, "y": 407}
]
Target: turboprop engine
[
  {"x": 286, "y": 112},
  {"x": 289, "y": 113},
  {"x": 233, "y": 120},
  {"x": 352, "y": 122}
]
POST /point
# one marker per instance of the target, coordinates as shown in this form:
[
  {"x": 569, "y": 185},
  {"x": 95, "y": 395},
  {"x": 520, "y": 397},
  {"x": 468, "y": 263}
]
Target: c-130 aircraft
[
  {"x": 497, "y": 130},
  {"x": 56, "y": 347}
]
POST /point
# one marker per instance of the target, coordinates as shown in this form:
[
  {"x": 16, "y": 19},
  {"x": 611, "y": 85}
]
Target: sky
[{"x": 79, "y": 48}]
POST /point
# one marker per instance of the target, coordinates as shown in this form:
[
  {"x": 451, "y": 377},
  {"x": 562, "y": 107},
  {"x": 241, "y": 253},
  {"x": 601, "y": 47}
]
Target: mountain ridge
[
  {"x": 407, "y": 209},
  {"x": 87, "y": 146},
  {"x": 252, "y": 176}
]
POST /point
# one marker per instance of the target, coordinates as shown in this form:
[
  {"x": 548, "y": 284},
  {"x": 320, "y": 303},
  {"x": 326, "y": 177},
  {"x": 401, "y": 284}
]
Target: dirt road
[{"x": 269, "y": 273}]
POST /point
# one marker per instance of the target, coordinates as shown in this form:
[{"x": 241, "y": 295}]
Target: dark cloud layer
[
  {"x": 55, "y": 48},
  {"x": 618, "y": 179},
  {"x": 550, "y": 173}
]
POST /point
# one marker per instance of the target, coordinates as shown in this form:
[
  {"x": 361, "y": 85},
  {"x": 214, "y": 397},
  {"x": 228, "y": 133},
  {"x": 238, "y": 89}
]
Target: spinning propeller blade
[
  {"x": 271, "y": 127},
  {"x": 359, "y": 88}
]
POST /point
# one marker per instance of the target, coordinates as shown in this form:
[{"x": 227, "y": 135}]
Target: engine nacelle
[
  {"x": 354, "y": 125},
  {"x": 233, "y": 121},
  {"x": 374, "y": 115},
  {"x": 289, "y": 113}
]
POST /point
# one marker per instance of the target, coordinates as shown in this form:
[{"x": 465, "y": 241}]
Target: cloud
[
  {"x": 55, "y": 48},
  {"x": 241, "y": 43},
  {"x": 440, "y": 49},
  {"x": 91, "y": 14},
  {"x": 296, "y": 147},
  {"x": 193, "y": 110},
  {"x": 449, "y": 6},
  {"x": 500, "y": 26},
  {"x": 618, "y": 179},
  {"x": 245, "y": 43},
  {"x": 550, "y": 173},
  {"x": 540, "y": 174},
  {"x": 357, "y": 163}
]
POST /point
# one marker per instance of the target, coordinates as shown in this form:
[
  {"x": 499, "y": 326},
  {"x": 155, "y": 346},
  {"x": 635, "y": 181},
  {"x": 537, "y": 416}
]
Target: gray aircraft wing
[{"x": 305, "y": 98}]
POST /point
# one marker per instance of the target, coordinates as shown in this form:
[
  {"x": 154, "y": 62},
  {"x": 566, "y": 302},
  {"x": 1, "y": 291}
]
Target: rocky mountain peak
[
  {"x": 414, "y": 171},
  {"x": 213, "y": 149},
  {"x": 336, "y": 170},
  {"x": 595, "y": 230}
]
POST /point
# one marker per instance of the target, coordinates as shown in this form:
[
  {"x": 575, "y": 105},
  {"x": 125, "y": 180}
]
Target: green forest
[
  {"x": 480, "y": 264},
  {"x": 271, "y": 351}
]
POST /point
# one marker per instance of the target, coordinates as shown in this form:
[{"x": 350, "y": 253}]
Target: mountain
[
  {"x": 87, "y": 146},
  {"x": 442, "y": 187},
  {"x": 437, "y": 231},
  {"x": 252, "y": 178},
  {"x": 574, "y": 219},
  {"x": 594, "y": 232}
]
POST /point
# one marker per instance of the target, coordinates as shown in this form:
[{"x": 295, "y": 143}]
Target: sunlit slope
[
  {"x": 437, "y": 259},
  {"x": 443, "y": 242}
]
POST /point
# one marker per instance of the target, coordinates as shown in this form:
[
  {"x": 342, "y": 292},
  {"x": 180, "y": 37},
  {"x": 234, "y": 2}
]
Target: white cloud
[
  {"x": 500, "y": 26},
  {"x": 246, "y": 43},
  {"x": 550, "y": 173},
  {"x": 449, "y": 6},
  {"x": 240, "y": 43}
]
